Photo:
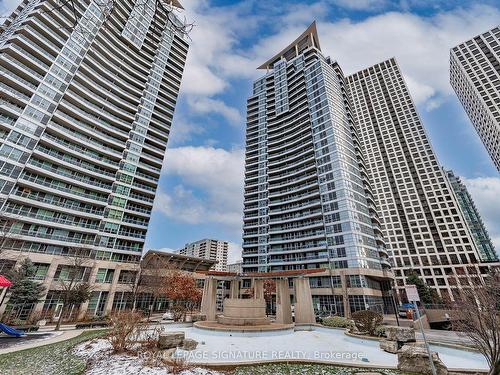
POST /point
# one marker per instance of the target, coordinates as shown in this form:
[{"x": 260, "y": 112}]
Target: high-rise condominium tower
[
  {"x": 86, "y": 108},
  {"x": 475, "y": 76},
  {"x": 208, "y": 249},
  {"x": 473, "y": 218},
  {"x": 424, "y": 227},
  {"x": 308, "y": 201}
]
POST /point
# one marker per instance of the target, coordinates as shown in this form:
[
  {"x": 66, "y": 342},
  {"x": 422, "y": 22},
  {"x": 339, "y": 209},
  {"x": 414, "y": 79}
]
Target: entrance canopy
[{"x": 221, "y": 275}]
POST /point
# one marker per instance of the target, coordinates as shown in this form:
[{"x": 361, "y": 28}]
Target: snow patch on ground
[
  {"x": 92, "y": 348},
  {"x": 102, "y": 362}
]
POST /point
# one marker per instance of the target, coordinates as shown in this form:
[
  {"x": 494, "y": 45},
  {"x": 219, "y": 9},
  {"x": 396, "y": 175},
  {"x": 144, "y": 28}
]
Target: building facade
[
  {"x": 236, "y": 267},
  {"x": 208, "y": 249},
  {"x": 473, "y": 218},
  {"x": 87, "y": 99},
  {"x": 423, "y": 224},
  {"x": 475, "y": 77},
  {"x": 308, "y": 202}
]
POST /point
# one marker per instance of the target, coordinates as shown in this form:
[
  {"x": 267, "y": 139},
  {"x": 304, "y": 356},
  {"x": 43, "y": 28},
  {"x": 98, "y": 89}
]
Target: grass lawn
[
  {"x": 307, "y": 369},
  {"x": 52, "y": 359}
]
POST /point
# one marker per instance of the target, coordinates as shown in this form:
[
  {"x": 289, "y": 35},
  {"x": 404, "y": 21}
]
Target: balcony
[
  {"x": 72, "y": 205},
  {"x": 14, "y": 92},
  {"x": 26, "y": 212},
  {"x": 72, "y": 175},
  {"x": 86, "y": 166},
  {"x": 43, "y": 182},
  {"x": 76, "y": 239}
]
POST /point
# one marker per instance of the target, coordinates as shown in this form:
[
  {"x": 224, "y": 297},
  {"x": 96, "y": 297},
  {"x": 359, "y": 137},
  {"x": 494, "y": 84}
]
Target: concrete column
[
  {"x": 345, "y": 295},
  {"x": 258, "y": 289},
  {"x": 234, "y": 289},
  {"x": 304, "y": 311},
  {"x": 209, "y": 299},
  {"x": 111, "y": 295},
  {"x": 82, "y": 311},
  {"x": 49, "y": 278},
  {"x": 283, "y": 305}
]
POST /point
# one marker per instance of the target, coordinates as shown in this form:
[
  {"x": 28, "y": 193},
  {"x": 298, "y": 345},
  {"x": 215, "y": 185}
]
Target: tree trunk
[
  {"x": 58, "y": 325},
  {"x": 495, "y": 369}
]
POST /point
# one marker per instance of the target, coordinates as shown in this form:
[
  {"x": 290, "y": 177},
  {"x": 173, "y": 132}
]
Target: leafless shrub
[
  {"x": 176, "y": 365},
  {"x": 476, "y": 314},
  {"x": 366, "y": 321},
  {"x": 124, "y": 324}
]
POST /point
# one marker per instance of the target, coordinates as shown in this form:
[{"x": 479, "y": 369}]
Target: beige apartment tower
[
  {"x": 475, "y": 77},
  {"x": 422, "y": 222},
  {"x": 208, "y": 249}
]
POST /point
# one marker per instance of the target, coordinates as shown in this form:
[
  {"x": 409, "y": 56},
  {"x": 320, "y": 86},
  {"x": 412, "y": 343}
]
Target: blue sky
[{"x": 201, "y": 189}]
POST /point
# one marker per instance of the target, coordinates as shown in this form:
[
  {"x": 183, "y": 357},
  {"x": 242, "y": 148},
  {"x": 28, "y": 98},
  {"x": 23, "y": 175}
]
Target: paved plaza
[{"x": 321, "y": 345}]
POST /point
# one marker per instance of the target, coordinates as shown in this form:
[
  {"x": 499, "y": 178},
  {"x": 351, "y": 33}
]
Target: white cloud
[
  {"x": 183, "y": 131},
  {"x": 234, "y": 252},
  {"x": 214, "y": 39},
  {"x": 420, "y": 44},
  {"x": 211, "y": 188},
  {"x": 486, "y": 194},
  {"x": 207, "y": 105},
  {"x": 166, "y": 250},
  {"x": 7, "y": 6},
  {"x": 360, "y": 4}
]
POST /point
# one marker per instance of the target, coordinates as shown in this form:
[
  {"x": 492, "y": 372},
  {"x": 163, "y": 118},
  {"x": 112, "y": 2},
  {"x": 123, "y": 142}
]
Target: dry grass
[{"x": 177, "y": 365}]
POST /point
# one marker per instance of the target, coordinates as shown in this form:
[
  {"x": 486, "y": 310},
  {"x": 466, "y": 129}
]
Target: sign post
[{"x": 412, "y": 294}]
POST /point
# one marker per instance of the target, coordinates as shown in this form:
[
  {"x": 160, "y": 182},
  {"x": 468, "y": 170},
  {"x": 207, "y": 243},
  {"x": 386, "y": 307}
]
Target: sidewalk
[
  {"x": 65, "y": 335},
  {"x": 444, "y": 337},
  {"x": 50, "y": 328}
]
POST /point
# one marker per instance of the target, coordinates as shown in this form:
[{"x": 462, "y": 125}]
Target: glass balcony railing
[
  {"x": 138, "y": 209},
  {"x": 36, "y": 47},
  {"x": 13, "y": 91},
  {"x": 132, "y": 234},
  {"x": 72, "y": 160},
  {"x": 27, "y": 213},
  {"x": 56, "y": 237},
  {"x": 7, "y": 120},
  {"x": 85, "y": 138},
  {"x": 56, "y": 186},
  {"x": 20, "y": 65},
  {"x": 12, "y": 106},
  {"x": 98, "y": 109},
  {"x": 135, "y": 221},
  {"x": 29, "y": 55},
  {"x": 72, "y": 205},
  {"x": 141, "y": 197},
  {"x": 143, "y": 186},
  {"x": 67, "y": 173},
  {"x": 146, "y": 176}
]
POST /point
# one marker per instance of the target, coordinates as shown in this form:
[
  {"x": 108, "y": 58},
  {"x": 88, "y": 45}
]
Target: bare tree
[
  {"x": 151, "y": 280},
  {"x": 181, "y": 289},
  {"x": 6, "y": 229},
  {"x": 75, "y": 288},
  {"x": 476, "y": 314}
]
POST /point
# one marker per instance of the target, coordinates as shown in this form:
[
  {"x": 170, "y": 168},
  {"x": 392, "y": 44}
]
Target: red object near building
[{"x": 4, "y": 282}]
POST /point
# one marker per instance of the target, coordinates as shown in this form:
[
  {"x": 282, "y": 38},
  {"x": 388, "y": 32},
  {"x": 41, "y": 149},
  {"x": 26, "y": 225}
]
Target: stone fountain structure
[{"x": 250, "y": 314}]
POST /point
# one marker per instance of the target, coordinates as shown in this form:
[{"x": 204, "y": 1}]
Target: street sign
[{"x": 412, "y": 293}]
